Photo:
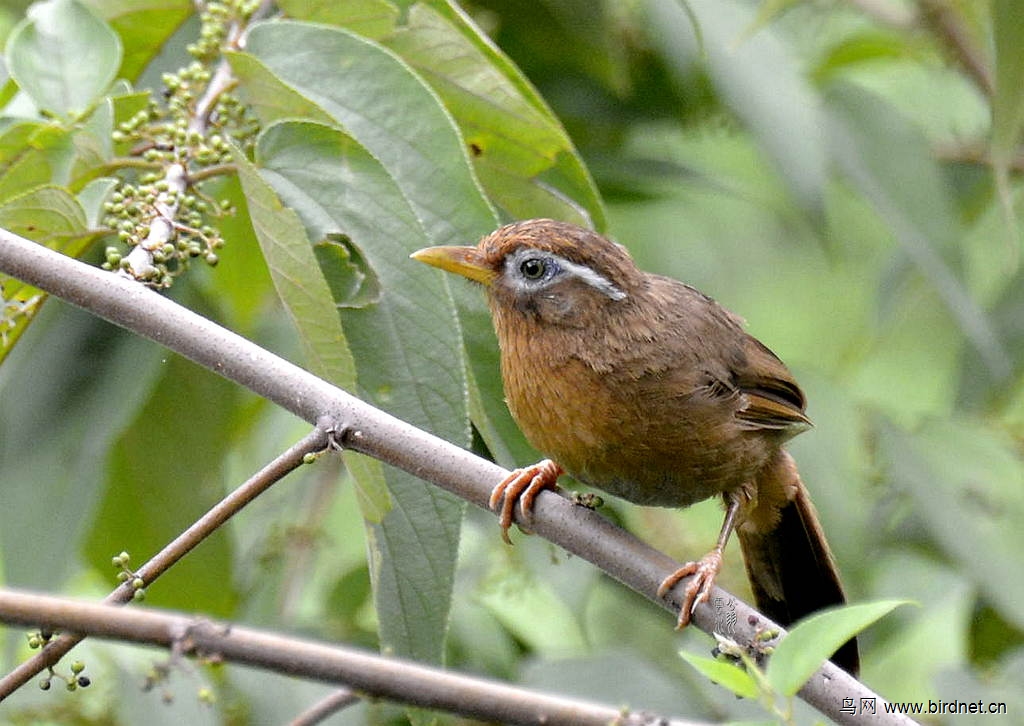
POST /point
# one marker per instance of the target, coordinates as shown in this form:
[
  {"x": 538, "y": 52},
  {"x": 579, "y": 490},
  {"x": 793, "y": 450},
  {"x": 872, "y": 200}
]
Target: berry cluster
[{"x": 176, "y": 145}]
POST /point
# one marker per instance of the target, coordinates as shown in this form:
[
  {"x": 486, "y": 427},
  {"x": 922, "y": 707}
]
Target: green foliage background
[{"x": 843, "y": 183}]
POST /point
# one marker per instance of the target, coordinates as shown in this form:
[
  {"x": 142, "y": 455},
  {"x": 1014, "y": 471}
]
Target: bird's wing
[{"x": 773, "y": 399}]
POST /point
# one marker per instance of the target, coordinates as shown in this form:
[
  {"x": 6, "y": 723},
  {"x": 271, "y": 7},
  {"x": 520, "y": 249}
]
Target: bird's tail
[{"x": 791, "y": 569}]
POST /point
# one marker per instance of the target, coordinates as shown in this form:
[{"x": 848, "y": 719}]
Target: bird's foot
[
  {"x": 703, "y": 573},
  {"x": 523, "y": 486}
]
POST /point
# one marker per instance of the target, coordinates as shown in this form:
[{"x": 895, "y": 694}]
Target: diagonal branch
[
  {"x": 184, "y": 543},
  {"x": 370, "y": 431},
  {"x": 369, "y": 674}
]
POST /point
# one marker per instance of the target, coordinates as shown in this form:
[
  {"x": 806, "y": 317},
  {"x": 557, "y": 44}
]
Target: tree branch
[
  {"x": 370, "y": 431},
  {"x": 369, "y": 674},
  {"x": 184, "y": 543}
]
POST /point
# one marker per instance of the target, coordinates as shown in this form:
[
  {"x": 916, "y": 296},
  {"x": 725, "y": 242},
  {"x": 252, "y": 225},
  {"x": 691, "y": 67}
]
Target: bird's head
[{"x": 544, "y": 271}]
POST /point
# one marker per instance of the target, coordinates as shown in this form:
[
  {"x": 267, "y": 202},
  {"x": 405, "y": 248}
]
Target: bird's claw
[
  {"x": 702, "y": 573},
  {"x": 522, "y": 486}
]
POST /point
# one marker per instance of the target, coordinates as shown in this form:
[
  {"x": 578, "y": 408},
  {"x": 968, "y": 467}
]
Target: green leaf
[
  {"x": 54, "y": 438},
  {"x": 337, "y": 187},
  {"x": 144, "y": 26},
  {"x": 63, "y": 56},
  {"x": 405, "y": 128},
  {"x": 46, "y": 214},
  {"x": 152, "y": 494},
  {"x": 19, "y": 304},
  {"x": 93, "y": 196},
  {"x": 353, "y": 282},
  {"x": 370, "y": 18},
  {"x": 307, "y": 298},
  {"x": 22, "y": 165},
  {"x": 967, "y": 487},
  {"x": 813, "y": 640},
  {"x": 270, "y": 98},
  {"x": 1008, "y": 101},
  {"x": 726, "y": 674},
  {"x": 410, "y": 133},
  {"x": 523, "y": 156}
]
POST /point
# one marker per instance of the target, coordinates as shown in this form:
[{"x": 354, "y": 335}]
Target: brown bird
[{"x": 646, "y": 388}]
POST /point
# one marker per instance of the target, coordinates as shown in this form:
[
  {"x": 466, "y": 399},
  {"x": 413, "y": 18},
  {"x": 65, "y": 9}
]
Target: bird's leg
[
  {"x": 703, "y": 571},
  {"x": 523, "y": 486}
]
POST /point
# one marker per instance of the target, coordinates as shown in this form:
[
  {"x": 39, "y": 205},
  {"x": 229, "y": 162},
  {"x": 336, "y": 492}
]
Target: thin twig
[
  {"x": 325, "y": 708},
  {"x": 370, "y": 431},
  {"x": 172, "y": 553},
  {"x": 368, "y": 673}
]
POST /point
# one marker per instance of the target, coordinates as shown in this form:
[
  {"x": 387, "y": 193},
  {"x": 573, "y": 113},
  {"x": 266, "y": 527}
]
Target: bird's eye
[{"x": 533, "y": 268}]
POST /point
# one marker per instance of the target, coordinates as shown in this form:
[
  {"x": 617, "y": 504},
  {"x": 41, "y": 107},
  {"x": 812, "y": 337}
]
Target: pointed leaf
[
  {"x": 405, "y": 128},
  {"x": 521, "y": 152},
  {"x": 307, "y": 298},
  {"x": 813, "y": 640},
  {"x": 415, "y": 140},
  {"x": 726, "y": 674},
  {"x": 337, "y": 187}
]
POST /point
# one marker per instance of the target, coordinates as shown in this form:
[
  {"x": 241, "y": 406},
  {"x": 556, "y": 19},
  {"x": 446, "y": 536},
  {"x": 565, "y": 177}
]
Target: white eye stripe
[
  {"x": 595, "y": 280},
  {"x": 581, "y": 272}
]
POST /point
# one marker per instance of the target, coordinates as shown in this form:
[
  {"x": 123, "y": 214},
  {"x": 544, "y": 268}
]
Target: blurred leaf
[
  {"x": 165, "y": 471},
  {"x": 940, "y": 627},
  {"x": 890, "y": 163},
  {"x": 757, "y": 77},
  {"x": 726, "y": 674},
  {"x": 144, "y": 27},
  {"x": 63, "y": 56},
  {"x": 768, "y": 12},
  {"x": 1008, "y": 101},
  {"x": 370, "y": 18},
  {"x": 552, "y": 630},
  {"x": 307, "y": 297},
  {"x": 92, "y": 198},
  {"x": 868, "y": 45},
  {"x": 68, "y": 391},
  {"x": 967, "y": 486},
  {"x": 978, "y": 387},
  {"x": 1007, "y": 106},
  {"x": 337, "y": 187},
  {"x": 512, "y": 136},
  {"x": 19, "y": 304},
  {"x": 813, "y": 640}
]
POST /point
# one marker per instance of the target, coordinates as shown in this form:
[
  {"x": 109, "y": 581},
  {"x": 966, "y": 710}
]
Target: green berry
[
  {"x": 140, "y": 594},
  {"x": 77, "y": 667}
]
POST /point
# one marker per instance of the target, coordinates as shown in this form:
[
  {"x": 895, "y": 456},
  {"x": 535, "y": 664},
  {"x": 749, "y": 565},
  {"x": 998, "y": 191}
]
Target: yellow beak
[{"x": 465, "y": 261}]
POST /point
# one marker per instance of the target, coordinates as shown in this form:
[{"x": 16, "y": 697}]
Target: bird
[{"x": 644, "y": 387}]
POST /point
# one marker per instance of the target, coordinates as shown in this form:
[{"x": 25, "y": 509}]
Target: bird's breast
[{"x": 650, "y": 438}]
